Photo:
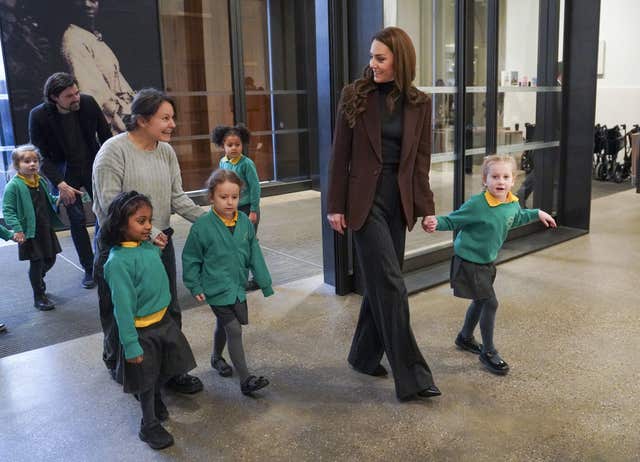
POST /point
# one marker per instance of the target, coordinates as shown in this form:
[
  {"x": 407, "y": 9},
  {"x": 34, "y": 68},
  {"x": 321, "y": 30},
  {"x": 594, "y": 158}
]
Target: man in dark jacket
[{"x": 68, "y": 128}]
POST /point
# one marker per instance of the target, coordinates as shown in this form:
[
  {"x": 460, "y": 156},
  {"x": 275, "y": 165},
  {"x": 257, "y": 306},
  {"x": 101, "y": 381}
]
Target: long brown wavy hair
[{"x": 404, "y": 66}]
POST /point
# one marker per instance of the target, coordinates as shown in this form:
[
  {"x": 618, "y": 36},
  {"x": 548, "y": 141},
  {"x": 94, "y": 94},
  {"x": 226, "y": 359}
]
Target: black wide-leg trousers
[{"x": 384, "y": 325}]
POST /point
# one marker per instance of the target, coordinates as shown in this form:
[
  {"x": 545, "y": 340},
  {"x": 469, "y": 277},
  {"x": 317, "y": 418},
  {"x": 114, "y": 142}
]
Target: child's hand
[
  {"x": 19, "y": 237},
  {"x": 429, "y": 223},
  {"x": 253, "y": 217},
  {"x": 546, "y": 219},
  {"x": 200, "y": 297},
  {"x": 161, "y": 241},
  {"x": 136, "y": 360}
]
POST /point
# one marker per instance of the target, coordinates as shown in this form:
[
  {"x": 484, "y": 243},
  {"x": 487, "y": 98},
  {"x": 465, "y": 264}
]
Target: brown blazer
[{"x": 356, "y": 163}]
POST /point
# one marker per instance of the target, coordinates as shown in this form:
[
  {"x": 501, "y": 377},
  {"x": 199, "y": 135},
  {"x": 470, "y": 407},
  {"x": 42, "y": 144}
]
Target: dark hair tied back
[
  {"x": 121, "y": 208},
  {"x": 221, "y": 132},
  {"x": 144, "y": 105}
]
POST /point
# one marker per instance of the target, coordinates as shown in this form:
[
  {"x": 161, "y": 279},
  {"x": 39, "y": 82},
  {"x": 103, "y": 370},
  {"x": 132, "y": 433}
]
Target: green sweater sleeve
[
  {"x": 525, "y": 216},
  {"x": 253, "y": 184},
  {"x": 465, "y": 215},
  {"x": 5, "y": 234},
  {"x": 123, "y": 293},
  {"x": 258, "y": 265},
  {"x": 192, "y": 261},
  {"x": 10, "y": 208}
]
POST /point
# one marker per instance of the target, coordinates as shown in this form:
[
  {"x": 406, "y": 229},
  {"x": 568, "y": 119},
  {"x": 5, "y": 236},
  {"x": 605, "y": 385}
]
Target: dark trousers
[
  {"x": 78, "y": 227},
  {"x": 37, "y": 270},
  {"x": 111, "y": 342},
  {"x": 384, "y": 325}
]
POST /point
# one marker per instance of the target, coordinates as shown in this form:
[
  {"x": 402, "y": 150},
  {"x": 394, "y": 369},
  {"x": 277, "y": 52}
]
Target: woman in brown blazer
[{"x": 379, "y": 185}]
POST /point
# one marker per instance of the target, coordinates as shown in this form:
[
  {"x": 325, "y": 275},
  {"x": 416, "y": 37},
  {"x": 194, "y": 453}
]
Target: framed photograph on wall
[{"x": 111, "y": 47}]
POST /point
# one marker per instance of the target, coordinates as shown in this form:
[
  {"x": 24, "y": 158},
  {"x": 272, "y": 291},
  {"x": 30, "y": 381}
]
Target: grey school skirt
[
  {"x": 166, "y": 353},
  {"x": 227, "y": 313},
  {"x": 472, "y": 280}
]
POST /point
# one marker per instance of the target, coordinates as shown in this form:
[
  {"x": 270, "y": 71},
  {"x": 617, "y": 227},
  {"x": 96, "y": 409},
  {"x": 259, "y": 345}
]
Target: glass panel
[
  {"x": 292, "y": 158},
  {"x": 276, "y": 84},
  {"x": 197, "y": 72},
  {"x": 431, "y": 26},
  {"x": 475, "y": 104},
  {"x": 6, "y": 129}
]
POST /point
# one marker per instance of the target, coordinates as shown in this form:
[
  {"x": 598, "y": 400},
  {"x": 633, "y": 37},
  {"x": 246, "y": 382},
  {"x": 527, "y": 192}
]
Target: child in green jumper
[
  {"x": 234, "y": 140},
  {"x": 153, "y": 347},
  {"x": 31, "y": 211},
  {"x": 220, "y": 250},
  {"x": 482, "y": 223}
]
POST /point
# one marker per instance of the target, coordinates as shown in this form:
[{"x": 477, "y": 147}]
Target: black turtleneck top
[{"x": 391, "y": 125}]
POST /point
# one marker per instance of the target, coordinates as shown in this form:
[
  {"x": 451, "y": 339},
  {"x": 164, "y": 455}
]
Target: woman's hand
[
  {"x": 136, "y": 360},
  {"x": 67, "y": 193},
  {"x": 547, "y": 219},
  {"x": 253, "y": 217},
  {"x": 19, "y": 237},
  {"x": 337, "y": 222},
  {"x": 429, "y": 223},
  {"x": 161, "y": 240},
  {"x": 200, "y": 297}
]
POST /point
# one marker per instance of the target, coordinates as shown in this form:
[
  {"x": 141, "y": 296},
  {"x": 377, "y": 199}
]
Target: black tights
[
  {"x": 148, "y": 404},
  {"x": 232, "y": 331},
  {"x": 484, "y": 311},
  {"x": 37, "y": 270}
]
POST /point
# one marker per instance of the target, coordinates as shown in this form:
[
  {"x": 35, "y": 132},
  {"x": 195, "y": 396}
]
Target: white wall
[{"x": 618, "y": 97}]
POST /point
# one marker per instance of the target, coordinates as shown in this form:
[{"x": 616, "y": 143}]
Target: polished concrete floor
[{"x": 568, "y": 324}]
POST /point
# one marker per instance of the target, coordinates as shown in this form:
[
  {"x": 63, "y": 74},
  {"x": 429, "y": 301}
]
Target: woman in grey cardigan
[{"x": 141, "y": 159}]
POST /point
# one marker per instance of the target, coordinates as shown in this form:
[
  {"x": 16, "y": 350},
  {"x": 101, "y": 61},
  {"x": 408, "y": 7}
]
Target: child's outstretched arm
[{"x": 547, "y": 219}]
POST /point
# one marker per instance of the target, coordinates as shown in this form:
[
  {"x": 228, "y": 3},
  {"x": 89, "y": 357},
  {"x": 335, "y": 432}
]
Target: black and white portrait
[{"x": 98, "y": 41}]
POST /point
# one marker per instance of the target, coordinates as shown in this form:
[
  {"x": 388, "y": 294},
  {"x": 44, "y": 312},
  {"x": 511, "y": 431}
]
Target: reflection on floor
[{"x": 567, "y": 323}]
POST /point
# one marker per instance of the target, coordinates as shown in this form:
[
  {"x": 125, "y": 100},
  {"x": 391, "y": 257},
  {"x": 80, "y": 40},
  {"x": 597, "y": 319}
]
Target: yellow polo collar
[
  {"x": 130, "y": 244},
  {"x": 233, "y": 161},
  {"x": 226, "y": 222},
  {"x": 493, "y": 202}
]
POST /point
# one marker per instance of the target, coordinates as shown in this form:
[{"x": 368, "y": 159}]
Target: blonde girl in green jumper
[
  {"x": 30, "y": 210},
  {"x": 482, "y": 223},
  {"x": 219, "y": 252}
]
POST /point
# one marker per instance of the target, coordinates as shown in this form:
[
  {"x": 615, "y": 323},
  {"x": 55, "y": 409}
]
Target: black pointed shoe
[
  {"x": 43, "y": 303},
  {"x": 468, "y": 344},
  {"x": 494, "y": 363},
  {"x": 430, "y": 392}
]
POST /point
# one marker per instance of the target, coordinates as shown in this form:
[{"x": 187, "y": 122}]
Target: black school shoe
[
  {"x": 43, "y": 303},
  {"x": 3, "y": 328},
  {"x": 220, "y": 365},
  {"x": 494, "y": 363},
  {"x": 155, "y": 435},
  {"x": 253, "y": 383},
  {"x": 87, "y": 280},
  {"x": 185, "y": 383},
  {"x": 468, "y": 344}
]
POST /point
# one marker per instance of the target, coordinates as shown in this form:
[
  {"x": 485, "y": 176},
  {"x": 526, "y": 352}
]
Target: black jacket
[{"x": 45, "y": 132}]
